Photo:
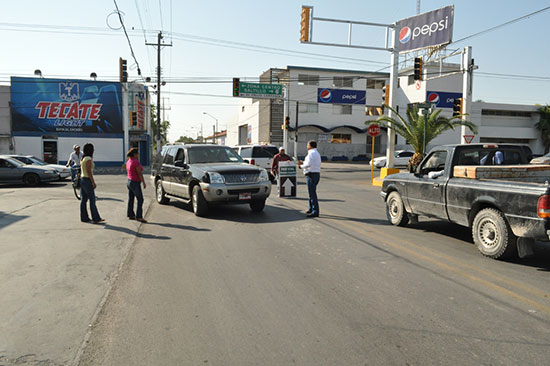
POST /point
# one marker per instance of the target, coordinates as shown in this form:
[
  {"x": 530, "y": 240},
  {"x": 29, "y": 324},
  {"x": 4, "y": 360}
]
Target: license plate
[{"x": 245, "y": 196}]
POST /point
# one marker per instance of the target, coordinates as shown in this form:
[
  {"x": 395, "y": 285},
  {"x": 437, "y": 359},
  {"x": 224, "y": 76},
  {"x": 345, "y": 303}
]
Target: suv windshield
[{"x": 213, "y": 154}]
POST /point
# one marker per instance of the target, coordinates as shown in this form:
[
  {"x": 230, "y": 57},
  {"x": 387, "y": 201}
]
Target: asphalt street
[{"x": 276, "y": 288}]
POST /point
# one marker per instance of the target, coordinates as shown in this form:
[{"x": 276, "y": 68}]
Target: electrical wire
[{"x": 128, "y": 38}]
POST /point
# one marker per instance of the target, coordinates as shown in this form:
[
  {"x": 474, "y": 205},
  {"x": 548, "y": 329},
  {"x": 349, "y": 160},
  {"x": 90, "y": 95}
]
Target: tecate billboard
[
  {"x": 65, "y": 107},
  {"x": 425, "y": 30},
  {"x": 340, "y": 96}
]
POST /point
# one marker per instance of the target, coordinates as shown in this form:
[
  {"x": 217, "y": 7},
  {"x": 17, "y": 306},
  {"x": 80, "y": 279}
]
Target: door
[
  {"x": 243, "y": 135},
  {"x": 167, "y": 169},
  {"x": 8, "y": 172},
  {"x": 49, "y": 147},
  {"x": 426, "y": 191},
  {"x": 180, "y": 183}
]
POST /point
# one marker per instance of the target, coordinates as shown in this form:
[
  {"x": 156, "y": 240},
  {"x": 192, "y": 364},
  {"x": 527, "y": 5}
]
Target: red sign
[
  {"x": 468, "y": 138},
  {"x": 373, "y": 130}
]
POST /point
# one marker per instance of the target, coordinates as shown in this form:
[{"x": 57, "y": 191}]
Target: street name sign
[{"x": 260, "y": 91}]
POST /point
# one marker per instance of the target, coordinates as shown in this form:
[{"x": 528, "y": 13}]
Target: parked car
[
  {"x": 401, "y": 158},
  {"x": 63, "y": 171},
  {"x": 476, "y": 186},
  {"x": 13, "y": 171},
  {"x": 259, "y": 155},
  {"x": 545, "y": 160},
  {"x": 208, "y": 175}
]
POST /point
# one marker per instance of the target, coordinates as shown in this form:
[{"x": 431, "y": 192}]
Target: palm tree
[
  {"x": 544, "y": 126},
  {"x": 412, "y": 129}
]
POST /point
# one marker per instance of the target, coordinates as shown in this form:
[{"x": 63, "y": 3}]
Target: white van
[{"x": 259, "y": 155}]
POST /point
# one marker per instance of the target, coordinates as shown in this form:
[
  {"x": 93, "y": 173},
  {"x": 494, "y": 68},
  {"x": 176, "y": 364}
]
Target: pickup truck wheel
[
  {"x": 161, "y": 195},
  {"x": 257, "y": 205},
  {"x": 395, "y": 210},
  {"x": 200, "y": 206},
  {"x": 492, "y": 234}
]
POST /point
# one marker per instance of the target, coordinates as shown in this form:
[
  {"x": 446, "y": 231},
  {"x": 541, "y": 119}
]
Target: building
[
  {"x": 334, "y": 108},
  {"x": 46, "y": 117}
]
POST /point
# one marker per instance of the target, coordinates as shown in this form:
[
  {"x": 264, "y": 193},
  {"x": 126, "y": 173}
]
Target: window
[
  {"x": 264, "y": 152},
  {"x": 410, "y": 80},
  {"x": 375, "y": 84},
  {"x": 242, "y": 109},
  {"x": 308, "y": 107},
  {"x": 246, "y": 152},
  {"x": 372, "y": 110},
  {"x": 179, "y": 155},
  {"x": 4, "y": 164},
  {"x": 170, "y": 155},
  {"x": 305, "y": 79},
  {"x": 497, "y": 112},
  {"x": 435, "y": 162},
  {"x": 342, "y": 81},
  {"x": 340, "y": 138},
  {"x": 341, "y": 109}
]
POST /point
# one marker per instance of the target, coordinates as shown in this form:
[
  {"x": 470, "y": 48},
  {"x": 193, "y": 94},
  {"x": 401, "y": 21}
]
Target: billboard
[
  {"x": 425, "y": 30},
  {"x": 442, "y": 99},
  {"x": 341, "y": 96},
  {"x": 137, "y": 106},
  {"x": 65, "y": 107}
]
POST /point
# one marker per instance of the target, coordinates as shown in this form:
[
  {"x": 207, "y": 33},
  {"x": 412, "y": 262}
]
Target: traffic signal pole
[
  {"x": 285, "y": 116},
  {"x": 394, "y": 73},
  {"x": 467, "y": 68}
]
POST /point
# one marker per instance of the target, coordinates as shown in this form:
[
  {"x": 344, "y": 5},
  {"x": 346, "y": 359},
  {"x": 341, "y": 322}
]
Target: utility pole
[
  {"x": 468, "y": 69},
  {"x": 296, "y": 131},
  {"x": 158, "y": 44}
]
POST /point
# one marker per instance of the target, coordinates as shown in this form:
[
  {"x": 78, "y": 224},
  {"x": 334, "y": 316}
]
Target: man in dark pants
[{"x": 312, "y": 170}]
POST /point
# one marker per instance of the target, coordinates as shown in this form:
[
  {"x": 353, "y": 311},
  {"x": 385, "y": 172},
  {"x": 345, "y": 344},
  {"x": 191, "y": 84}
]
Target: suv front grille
[{"x": 241, "y": 178}]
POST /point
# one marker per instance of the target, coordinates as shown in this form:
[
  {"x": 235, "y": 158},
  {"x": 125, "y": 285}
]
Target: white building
[{"x": 340, "y": 128}]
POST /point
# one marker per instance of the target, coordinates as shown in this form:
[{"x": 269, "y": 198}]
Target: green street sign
[{"x": 260, "y": 91}]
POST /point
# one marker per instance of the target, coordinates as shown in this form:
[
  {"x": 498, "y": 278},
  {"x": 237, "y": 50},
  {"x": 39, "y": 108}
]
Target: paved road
[{"x": 275, "y": 288}]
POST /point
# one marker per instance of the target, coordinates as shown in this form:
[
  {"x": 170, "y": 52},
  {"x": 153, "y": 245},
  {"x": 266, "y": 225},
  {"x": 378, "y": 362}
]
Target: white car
[
  {"x": 401, "y": 158},
  {"x": 545, "y": 160},
  {"x": 63, "y": 171}
]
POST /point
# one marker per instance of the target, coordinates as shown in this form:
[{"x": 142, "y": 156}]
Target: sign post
[
  {"x": 373, "y": 131},
  {"x": 286, "y": 180}
]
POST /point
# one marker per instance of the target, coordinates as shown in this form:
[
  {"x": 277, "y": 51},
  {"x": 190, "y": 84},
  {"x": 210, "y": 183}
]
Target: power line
[{"x": 128, "y": 38}]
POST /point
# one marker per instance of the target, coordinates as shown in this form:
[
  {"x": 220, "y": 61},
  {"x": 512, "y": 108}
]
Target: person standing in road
[
  {"x": 312, "y": 170},
  {"x": 135, "y": 178},
  {"x": 88, "y": 186},
  {"x": 281, "y": 156},
  {"x": 74, "y": 161}
]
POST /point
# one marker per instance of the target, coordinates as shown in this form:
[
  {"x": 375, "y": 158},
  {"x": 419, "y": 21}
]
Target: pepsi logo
[
  {"x": 433, "y": 98},
  {"x": 405, "y": 35},
  {"x": 325, "y": 95}
]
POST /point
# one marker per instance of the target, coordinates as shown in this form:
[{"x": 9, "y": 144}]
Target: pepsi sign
[
  {"x": 341, "y": 96},
  {"x": 442, "y": 99},
  {"x": 425, "y": 30}
]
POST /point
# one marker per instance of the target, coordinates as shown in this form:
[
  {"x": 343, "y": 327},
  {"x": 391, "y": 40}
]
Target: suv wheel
[
  {"x": 161, "y": 195},
  {"x": 257, "y": 205},
  {"x": 200, "y": 206}
]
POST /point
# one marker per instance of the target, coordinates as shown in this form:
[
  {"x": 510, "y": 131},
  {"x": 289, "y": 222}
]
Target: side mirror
[{"x": 181, "y": 164}]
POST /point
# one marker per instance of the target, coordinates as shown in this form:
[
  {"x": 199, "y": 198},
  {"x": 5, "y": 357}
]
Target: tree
[
  {"x": 164, "y": 127},
  {"x": 186, "y": 140},
  {"x": 544, "y": 126},
  {"x": 412, "y": 129}
]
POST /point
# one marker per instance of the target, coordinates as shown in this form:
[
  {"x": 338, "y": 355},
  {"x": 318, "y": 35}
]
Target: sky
[{"x": 214, "y": 41}]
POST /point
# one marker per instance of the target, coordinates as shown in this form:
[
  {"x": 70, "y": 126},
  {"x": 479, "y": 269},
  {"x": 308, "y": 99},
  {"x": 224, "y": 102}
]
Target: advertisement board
[
  {"x": 425, "y": 30},
  {"x": 341, "y": 96},
  {"x": 65, "y": 107},
  {"x": 442, "y": 99},
  {"x": 137, "y": 103}
]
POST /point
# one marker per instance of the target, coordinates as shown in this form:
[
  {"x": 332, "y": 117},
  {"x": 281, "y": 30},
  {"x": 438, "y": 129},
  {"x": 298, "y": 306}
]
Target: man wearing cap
[
  {"x": 281, "y": 156},
  {"x": 74, "y": 161}
]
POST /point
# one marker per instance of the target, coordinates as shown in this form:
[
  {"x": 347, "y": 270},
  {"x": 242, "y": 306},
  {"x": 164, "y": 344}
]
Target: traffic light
[
  {"x": 418, "y": 68},
  {"x": 133, "y": 118},
  {"x": 236, "y": 86},
  {"x": 386, "y": 95},
  {"x": 457, "y": 106},
  {"x": 304, "y": 23},
  {"x": 286, "y": 125},
  {"x": 122, "y": 70}
]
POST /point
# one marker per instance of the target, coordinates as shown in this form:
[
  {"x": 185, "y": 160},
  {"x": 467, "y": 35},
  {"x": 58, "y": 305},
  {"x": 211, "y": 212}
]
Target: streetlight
[{"x": 216, "y": 128}]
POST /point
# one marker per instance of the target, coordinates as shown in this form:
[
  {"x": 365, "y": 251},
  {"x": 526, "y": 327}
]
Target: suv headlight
[
  {"x": 264, "y": 177},
  {"x": 216, "y": 178}
]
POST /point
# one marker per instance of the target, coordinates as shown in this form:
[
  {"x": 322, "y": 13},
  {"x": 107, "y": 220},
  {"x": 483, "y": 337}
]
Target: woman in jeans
[
  {"x": 135, "y": 178},
  {"x": 87, "y": 186}
]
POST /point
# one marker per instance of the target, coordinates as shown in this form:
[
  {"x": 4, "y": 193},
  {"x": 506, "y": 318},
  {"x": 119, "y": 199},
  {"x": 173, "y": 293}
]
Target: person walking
[
  {"x": 74, "y": 161},
  {"x": 135, "y": 178},
  {"x": 88, "y": 186},
  {"x": 312, "y": 170},
  {"x": 281, "y": 156}
]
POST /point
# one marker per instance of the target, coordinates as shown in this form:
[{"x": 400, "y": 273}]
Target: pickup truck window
[{"x": 434, "y": 162}]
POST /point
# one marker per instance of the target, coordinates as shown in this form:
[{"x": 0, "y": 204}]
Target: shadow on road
[
  {"x": 355, "y": 219},
  {"x": 175, "y": 226},
  {"x": 135, "y": 233},
  {"x": 7, "y": 219},
  {"x": 109, "y": 199},
  {"x": 41, "y": 185},
  {"x": 320, "y": 199}
]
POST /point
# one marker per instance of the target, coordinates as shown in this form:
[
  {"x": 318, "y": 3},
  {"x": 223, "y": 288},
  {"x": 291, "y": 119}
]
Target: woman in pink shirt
[{"x": 135, "y": 178}]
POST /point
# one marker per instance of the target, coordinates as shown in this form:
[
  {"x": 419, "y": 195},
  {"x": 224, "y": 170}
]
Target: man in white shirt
[
  {"x": 74, "y": 161},
  {"x": 312, "y": 170}
]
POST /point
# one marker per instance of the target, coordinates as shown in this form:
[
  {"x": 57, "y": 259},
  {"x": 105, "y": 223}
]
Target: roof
[{"x": 343, "y": 71}]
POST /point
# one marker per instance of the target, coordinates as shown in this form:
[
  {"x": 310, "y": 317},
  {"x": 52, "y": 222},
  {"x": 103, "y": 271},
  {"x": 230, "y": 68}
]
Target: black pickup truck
[{"x": 506, "y": 215}]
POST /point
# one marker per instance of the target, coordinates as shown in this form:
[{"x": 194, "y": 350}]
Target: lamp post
[{"x": 216, "y": 126}]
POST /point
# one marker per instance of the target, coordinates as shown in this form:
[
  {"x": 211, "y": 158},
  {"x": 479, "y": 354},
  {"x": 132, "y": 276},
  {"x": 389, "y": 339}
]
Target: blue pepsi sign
[
  {"x": 425, "y": 30},
  {"x": 341, "y": 96},
  {"x": 442, "y": 99}
]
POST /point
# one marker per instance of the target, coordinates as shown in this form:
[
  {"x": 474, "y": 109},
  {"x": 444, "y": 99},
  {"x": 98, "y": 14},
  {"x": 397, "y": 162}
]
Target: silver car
[
  {"x": 64, "y": 172},
  {"x": 12, "y": 171}
]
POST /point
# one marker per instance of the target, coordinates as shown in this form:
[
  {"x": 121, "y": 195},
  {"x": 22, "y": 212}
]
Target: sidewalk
[{"x": 54, "y": 270}]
